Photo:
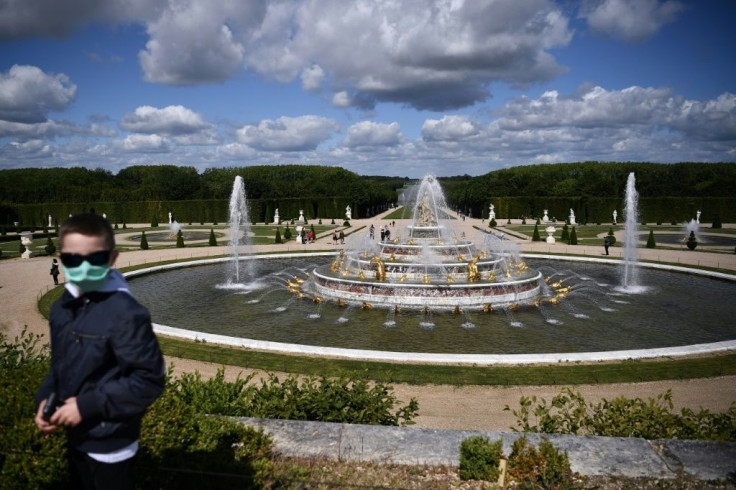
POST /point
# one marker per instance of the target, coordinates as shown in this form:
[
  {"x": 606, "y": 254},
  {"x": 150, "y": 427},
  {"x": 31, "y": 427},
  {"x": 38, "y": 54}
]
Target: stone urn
[
  {"x": 26, "y": 239},
  {"x": 550, "y": 231}
]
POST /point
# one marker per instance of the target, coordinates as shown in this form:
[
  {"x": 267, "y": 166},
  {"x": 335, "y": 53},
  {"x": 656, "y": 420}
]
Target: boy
[{"x": 106, "y": 365}]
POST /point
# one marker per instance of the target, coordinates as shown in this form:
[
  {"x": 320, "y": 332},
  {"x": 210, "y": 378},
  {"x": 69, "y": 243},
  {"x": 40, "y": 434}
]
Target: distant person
[
  {"x": 106, "y": 365},
  {"x": 334, "y": 237},
  {"x": 55, "y": 271},
  {"x": 606, "y": 243},
  {"x": 342, "y": 237},
  {"x": 372, "y": 232},
  {"x": 388, "y": 234}
]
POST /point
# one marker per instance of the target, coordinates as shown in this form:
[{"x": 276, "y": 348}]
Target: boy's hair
[{"x": 90, "y": 225}]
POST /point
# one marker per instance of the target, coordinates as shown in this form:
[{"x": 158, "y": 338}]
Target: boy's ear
[{"x": 113, "y": 257}]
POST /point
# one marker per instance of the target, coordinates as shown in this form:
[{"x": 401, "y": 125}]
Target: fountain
[
  {"x": 174, "y": 228},
  {"x": 239, "y": 226},
  {"x": 630, "y": 279},
  {"x": 429, "y": 268},
  {"x": 429, "y": 295}
]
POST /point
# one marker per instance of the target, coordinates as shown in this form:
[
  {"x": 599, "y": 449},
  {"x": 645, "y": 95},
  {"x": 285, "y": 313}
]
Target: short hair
[{"x": 90, "y": 225}]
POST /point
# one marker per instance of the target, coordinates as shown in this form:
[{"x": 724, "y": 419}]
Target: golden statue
[
  {"x": 473, "y": 274},
  {"x": 361, "y": 274},
  {"x": 425, "y": 217},
  {"x": 425, "y": 279},
  {"x": 450, "y": 278},
  {"x": 380, "y": 268},
  {"x": 487, "y": 308}
]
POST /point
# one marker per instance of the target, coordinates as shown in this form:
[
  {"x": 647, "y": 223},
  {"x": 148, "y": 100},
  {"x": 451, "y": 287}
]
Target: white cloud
[
  {"x": 312, "y": 78},
  {"x": 436, "y": 55},
  {"x": 288, "y": 133},
  {"x": 172, "y": 120},
  {"x": 49, "y": 129},
  {"x": 193, "y": 42},
  {"x": 430, "y": 56},
  {"x": 630, "y": 20},
  {"x": 449, "y": 128},
  {"x": 341, "y": 99},
  {"x": 639, "y": 108},
  {"x": 142, "y": 143},
  {"x": 368, "y": 134},
  {"x": 27, "y": 94}
]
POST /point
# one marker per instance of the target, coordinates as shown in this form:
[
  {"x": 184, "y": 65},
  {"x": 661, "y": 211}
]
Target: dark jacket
[{"x": 104, "y": 352}]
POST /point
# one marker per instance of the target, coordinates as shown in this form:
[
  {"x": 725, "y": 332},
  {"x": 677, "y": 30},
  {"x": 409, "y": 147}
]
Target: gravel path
[{"x": 22, "y": 282}]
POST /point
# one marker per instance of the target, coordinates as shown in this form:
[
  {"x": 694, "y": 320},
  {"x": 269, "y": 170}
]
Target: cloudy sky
[{"x": 380, "y": 87}]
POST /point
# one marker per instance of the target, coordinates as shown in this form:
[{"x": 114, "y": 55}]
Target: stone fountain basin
[{"x": 435, "y": 295}]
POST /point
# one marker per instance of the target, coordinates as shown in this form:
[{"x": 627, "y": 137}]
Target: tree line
[{"x": 520, "y": 190}]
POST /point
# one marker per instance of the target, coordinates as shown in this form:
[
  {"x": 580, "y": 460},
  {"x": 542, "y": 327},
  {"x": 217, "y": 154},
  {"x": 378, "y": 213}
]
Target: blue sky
[{"x": 378, "y": 87}]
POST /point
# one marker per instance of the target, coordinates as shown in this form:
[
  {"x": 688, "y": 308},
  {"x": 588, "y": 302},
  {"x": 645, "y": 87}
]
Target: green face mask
[{"x": 87, "y": 277}]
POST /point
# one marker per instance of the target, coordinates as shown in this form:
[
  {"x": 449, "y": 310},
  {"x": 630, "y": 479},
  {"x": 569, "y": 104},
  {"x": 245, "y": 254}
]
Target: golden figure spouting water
[
  {"x": 473, "y": 274},
  {"x": 380, "y": 268}
]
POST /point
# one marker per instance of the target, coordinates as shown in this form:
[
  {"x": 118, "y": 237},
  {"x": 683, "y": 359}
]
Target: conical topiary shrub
[
  {"x": 535, "y": 235},
  {"x": 717, "y": 222},
  {"x": 692, "y": 242},
  {"x": 287, "y": 233},
  {"x": 573, "y": 237},
  {"x": 650, "y": 241},
  {"x": 213, "y": 239},
  {"x": 611, "y": 236},
  {"x": 154, "y": 222},
  {"x": 278, "y": 235},
  {"x": 179, "y": 240},
  {"x": 565, "y": 233},
  {"x": 50, "y": 247},
  {"x": 144, "y": 241}
]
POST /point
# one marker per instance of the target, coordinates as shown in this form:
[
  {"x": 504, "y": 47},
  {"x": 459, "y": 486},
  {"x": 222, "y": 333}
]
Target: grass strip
[{"x": 560, "y": 374}]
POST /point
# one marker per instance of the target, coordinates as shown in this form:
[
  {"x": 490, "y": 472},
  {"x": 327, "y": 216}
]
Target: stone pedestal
[
  {"x": 550, "y": 231},
  {"x": 26, "y": 238}
]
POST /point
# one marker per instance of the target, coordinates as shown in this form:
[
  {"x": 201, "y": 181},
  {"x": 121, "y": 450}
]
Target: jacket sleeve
[
  {"x": 47, "y": 386},
  {"x": 142, "y": 372}
]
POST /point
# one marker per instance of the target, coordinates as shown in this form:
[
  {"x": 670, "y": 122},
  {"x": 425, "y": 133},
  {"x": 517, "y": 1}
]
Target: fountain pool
[{"x": 594, "y": 317}]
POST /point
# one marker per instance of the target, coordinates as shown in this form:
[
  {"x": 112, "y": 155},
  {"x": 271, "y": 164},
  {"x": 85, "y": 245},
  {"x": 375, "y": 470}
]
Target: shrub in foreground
[
  {"x": 480, "y": 458},
  {"x": 568, "y": 413},
  {"x": 345, "y": 400},
  {"x": 528, "y": 467}
]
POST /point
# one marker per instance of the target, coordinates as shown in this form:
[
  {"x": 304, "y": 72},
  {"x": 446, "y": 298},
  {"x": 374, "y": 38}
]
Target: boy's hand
[
  {"x": 42, "y": 425},
  {"x": 67, "y": 414}
]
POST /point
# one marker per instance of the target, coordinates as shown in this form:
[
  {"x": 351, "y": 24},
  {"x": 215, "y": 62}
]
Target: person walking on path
[
  {"x": 606, "y": 243},
  {"x": 342, "y": 237},
  {"x": 55, "y": 271}
]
